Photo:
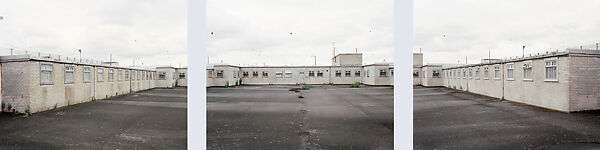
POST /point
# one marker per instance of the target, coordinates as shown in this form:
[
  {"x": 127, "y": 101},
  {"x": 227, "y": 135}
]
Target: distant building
[{"x": 346, "y": 68}]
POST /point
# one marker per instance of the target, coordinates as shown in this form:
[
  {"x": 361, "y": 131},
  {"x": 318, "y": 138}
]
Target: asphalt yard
[
  {"x": 450, "y": 119},
  {"x": 152, "y": 119},
  {"x": 273, "y": 117}
]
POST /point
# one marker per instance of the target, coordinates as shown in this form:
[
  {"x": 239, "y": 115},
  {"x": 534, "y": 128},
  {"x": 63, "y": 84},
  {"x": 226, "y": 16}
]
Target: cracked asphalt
[
  {"x": 272, "y": 117},
  {"x": 152, "y": 119},
  {"x": 449, "y": 119}
]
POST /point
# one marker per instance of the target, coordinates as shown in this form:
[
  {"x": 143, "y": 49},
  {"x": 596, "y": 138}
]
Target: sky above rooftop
[
  {"x": 258, "y": 32},
  {"x": 150, "y": 31},
  {"x": 451, "y": 30}
]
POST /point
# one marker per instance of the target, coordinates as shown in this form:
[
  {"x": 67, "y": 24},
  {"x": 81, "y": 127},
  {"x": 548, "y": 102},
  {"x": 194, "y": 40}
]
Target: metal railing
[{"x": 48, "y": 56}]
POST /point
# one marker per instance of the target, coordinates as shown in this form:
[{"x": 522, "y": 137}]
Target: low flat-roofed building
[
  {"x": 345, "y": 69},
  {"x": 564, "y": 81}
]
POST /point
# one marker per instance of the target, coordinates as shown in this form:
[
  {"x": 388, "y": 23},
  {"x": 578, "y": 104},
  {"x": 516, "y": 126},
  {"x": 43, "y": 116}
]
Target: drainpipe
[
  {"x": 95, "y": 72},
  {"x": 502, "y": 76}
]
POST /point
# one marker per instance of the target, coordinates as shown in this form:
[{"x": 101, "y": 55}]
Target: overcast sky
[
  {"x": 257, "y": 32},
  {"x": 152, "y": 31},
  {"x": 473, "y": 27}
]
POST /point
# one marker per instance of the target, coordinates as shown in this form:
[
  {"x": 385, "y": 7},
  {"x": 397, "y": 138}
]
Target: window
[
  {"x": 245, "y": 74},
  {"x": 382, "y": 73},
  {"x": 219, "y": 74},
  {"x": 288, "y": 73},
  {"x": 497, "y": 72},
  {"x": 319, "y": 73},
  {"x": 120, "y": 75},
  {"x": 255, "y": 74},
  {"x": 464, "y": 73},
  {"x": 110, "y": 75},
  {"x": 348, "y": 73},
  {"x": 46, "y": 71},
  {"x": 69, "y": 74},
  {"x": 100, "y": 74},
  {"x": 470, "y": 72},
  {"x": 181, "y": 75},
  {"x": 510, "y": 71},
  {"x": 368, "y": 73},
  {"x": 278, "y": 74},
  {"x": 551, "y": 70},
  {"x": 486, "y": 72},
  {"x": 357, "y": 73},
  {"x": 126, "y": 75},
  {"x": 163, "y": 75},
  {"x": 210, "y": 73},
  {"x": 477, "y": 73},
  {"x": 87, "y": 72},
  {"x": 338, "y": 73},
  {"x": 265, "y": 74},
  {"x": 311, "y": 73},
  {"x": 235, "y": 74},
  {"x": 138, "y": 75},
  {"x": 436, "y": 73},
  {"x": 392, "y": 72},
  {"x": 415, "y": 74},
  {"x": 527, "y": 71}
]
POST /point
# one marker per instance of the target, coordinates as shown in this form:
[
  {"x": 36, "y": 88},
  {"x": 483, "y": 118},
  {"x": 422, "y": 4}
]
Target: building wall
[
  {"x": 18, "y": 94},
  {"x": 168, "y": 81},
  {"x": 27, "y": 90},
  {"x": 349, "y": 59},
  {"x": 374, "y": 77},
  {"x": 417, "y": 80},
  {"x": 427, "y": 76},
  {"x": 584, "y": 82},
  {"x": 418, "y": 59},
  {"x": 182, "y": 81},
  {"x": 538, "y": 92},
  {"x": 228, "y": 76}
]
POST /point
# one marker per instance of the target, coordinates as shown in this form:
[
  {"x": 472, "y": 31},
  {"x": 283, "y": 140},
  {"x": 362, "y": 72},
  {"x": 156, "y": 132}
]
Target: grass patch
[{"x": 355, "y": 85}]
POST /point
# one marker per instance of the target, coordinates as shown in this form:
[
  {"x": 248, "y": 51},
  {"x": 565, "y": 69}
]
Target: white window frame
[
  {"x": 528, "y": 65},
  {"x": 49, "y": 69},
  {"x": 127, "y": 75},
  {"x": 278, "y": 74},
  {"x": 347, "y": 73},
  {"x": 88, "y": 71},
  {"x": 100, "y": 74},
  {"x": 165, "y": 75},
  {"x": 486, "y": 72},
  {"x": 265, "y": 74},
  {"x": 510, "y": 71},
  {"x": 497, "y": 72},
  {"x": 546, "y": 66},
  {"x": 69, "y": 70},
  {"x": 319, "y": 72},
  {"x": 357, "y": 73},
  {"x": 111, "y": 75},
  {"x": 217, "y": 75},
  {"x": 210, "y": 73},
  {"x": 288, "y": 74},
  {"x": 470, "y": 73},
  {"x": 477, "y": 73}
]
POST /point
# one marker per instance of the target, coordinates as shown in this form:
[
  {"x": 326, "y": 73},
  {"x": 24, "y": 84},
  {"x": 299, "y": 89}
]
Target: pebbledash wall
[
  {"x": 37, "y": 84},
  {"x": 346, "y": 69},
  {"x": 564, "y": 81}
]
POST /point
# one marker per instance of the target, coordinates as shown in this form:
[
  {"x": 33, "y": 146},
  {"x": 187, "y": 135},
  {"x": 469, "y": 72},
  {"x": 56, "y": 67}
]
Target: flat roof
[
  {"x": 16, "y": 58},
  {"x": 532, "y": 57}
]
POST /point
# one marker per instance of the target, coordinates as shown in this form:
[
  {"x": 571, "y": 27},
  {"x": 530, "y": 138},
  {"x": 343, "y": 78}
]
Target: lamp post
[
  {"x": 523, "y": 51},
  {"x": 79, "y": 55}
]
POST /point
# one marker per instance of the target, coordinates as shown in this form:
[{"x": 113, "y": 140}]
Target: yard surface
[
  {"x": 449, "y": 119},
  {"x": 153, "y": 119},
  {"x": 272, "y": 117}
]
